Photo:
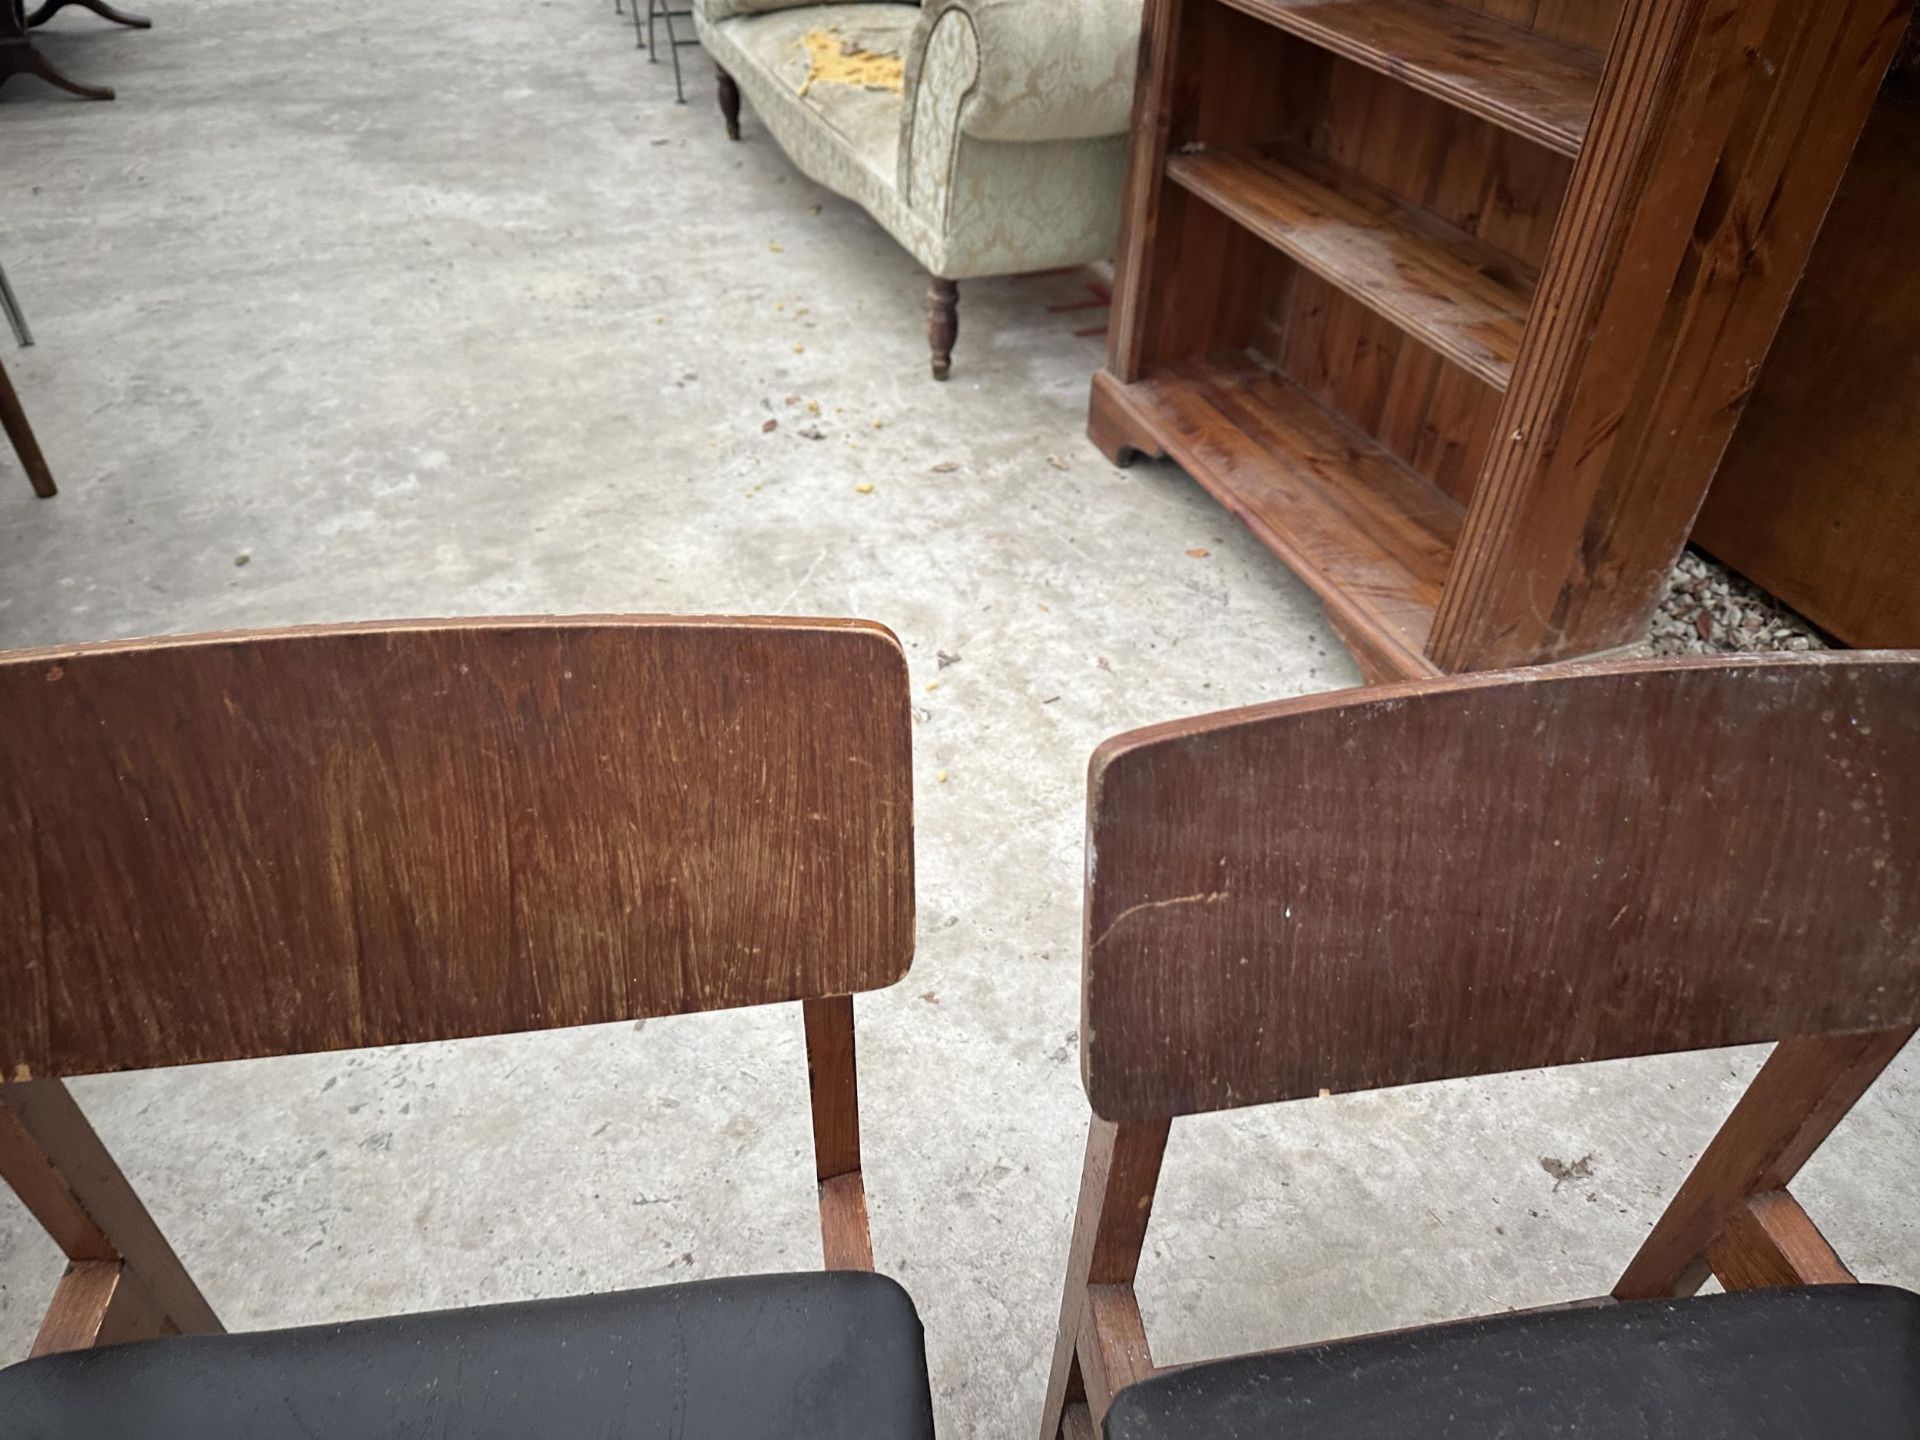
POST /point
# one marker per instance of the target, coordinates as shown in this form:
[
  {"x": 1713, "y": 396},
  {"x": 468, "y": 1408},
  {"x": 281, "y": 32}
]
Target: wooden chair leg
[
  {"x": 124, "y": 1281},
  {"x": 729, "y": 102},
  {"x": 1101, "y": 1346},
  {"x": 832, "y": 1081},
  {"x": 943, "y": 323},
  {"x": 1800, "y": 1094},
  {"x": 13, "y": 419}
]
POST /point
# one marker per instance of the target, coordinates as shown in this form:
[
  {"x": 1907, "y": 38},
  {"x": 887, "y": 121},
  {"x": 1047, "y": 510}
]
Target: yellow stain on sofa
[{"x": 840, "y": 61}]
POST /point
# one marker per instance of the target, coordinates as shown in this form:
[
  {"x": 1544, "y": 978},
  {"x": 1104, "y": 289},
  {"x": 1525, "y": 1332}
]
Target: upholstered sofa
[{"x": 988, "y": 136}]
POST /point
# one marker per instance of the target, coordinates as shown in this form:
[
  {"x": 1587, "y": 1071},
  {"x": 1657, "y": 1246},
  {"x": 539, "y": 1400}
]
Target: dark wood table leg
[
  {"x": 13, "y": 418},
  {"x": 18, "y": 55},
  {"x": 99, "y": 7}
]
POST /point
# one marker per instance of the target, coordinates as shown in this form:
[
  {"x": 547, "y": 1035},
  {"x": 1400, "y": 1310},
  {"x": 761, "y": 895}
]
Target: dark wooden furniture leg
[
  {"x": 1102, "y": 1346},
  {"x": 729, "y": 102},
  {"x": 19, "y": 57},
  {"x": 13, "y": 418},
  {"x": 99, "y": 7},
  {"x": 943, "y": 323}
]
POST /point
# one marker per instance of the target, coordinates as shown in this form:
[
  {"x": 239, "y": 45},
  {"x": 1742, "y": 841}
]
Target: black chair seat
[
  {"x": 1796, "y": 1364},
  {"x": 828, "y": 1354}
]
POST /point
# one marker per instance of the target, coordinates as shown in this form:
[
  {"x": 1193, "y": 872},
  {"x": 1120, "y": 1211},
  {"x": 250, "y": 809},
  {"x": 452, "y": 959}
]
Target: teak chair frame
[
  {"x": 834, "y": 693},
  {"x": 1734, "y": 1217}
]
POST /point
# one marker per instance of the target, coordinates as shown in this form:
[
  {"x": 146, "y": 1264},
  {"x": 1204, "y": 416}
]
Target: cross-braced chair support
[{"x": 1465, "y": 876}]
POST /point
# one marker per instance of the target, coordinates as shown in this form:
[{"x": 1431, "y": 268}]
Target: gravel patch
[{"x": 1709, "y": 610}]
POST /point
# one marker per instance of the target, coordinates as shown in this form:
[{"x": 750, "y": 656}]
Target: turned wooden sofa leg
[
  {"x": 729, "y": 102},
  {"x": 943, "y": 323}
]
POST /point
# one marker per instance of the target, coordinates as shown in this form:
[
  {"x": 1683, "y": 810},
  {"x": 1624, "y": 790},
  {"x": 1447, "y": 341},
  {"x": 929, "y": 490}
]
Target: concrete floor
[{"x": 449, "y": 309}]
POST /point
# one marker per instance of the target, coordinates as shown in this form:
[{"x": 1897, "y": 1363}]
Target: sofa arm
[{"x": 1045, "y": 69}]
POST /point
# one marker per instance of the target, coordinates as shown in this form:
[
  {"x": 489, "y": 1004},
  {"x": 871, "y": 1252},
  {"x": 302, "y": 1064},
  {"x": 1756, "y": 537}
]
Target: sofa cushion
[
  {"x": 752, "y": 1358},
  {"x": 844, "y": 64}
]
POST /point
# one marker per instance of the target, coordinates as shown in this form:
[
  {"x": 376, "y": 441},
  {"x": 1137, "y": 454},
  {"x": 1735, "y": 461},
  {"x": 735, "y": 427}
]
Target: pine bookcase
[{"x": 1455, "y": 303}]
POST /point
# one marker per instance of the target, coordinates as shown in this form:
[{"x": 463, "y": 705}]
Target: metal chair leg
[
  {"x": 673, "y": 44},
  {"x": 16, "y": 317}
]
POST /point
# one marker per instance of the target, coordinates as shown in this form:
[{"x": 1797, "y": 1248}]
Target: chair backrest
[
  {"x": 229, "y": 846},
  {"x": 1466, "y": 876}
]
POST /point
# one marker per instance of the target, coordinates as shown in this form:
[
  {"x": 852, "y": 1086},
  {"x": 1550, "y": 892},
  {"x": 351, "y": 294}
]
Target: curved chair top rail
[
  {"x": 1500, "y": 872},
  {"x": 226, "y": 846}
]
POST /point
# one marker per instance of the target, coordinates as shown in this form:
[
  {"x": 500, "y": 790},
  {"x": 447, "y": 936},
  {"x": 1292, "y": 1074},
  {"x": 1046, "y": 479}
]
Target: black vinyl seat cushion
[
  {"x": 1840, "y": 1361},
  {"x": 817, "y": 1355}
]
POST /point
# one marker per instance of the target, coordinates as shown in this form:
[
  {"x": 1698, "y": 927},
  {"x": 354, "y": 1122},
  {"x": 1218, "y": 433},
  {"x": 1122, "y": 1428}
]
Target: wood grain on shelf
[
  {"x": 1577, "y": 22},
  {"x": 1719, "y": 139},
  {"x": 1519, "y": 80},
  {"x": 1452, "y": 292},
  {"x": 1431, "y": 414},
  {"x": 1815, "y": 498},
  {"x": 1370, "y": 536}
]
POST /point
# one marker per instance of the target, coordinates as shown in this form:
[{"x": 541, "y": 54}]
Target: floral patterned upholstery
[{"x": 1004, "y": 149}]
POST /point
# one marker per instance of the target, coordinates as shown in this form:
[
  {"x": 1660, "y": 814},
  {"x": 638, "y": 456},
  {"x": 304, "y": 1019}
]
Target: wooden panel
[
  {"x": 1521, "y": 81},
  {"x": 1431, "y": 414},
  {"x": 58, "y": 1167},
  {"x": 1117, "y": 1183},
  {"x": 1771, "y": 1241},
  {"x": 1222, "y": 299},
  {"x": 1230, "y": 281},
  {"x": 1576, "y": 22},
  {"x": 1722, "y": 129},
  {"x": 1468, "y": 876},
  {"x": 1816, "y": 499},
  {"x": 248, "y": 845},
  {"x": 100, "y": 1302},
  {"x": 1450, "y": 291},
  {"x": 1490, "y": 183},
  {"x": 1365, "y": 532}
]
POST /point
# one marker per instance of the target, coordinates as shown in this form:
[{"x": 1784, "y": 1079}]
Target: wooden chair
[
  {"x": 235, "y": 846},
  {"x": 1463, "y": 877}
]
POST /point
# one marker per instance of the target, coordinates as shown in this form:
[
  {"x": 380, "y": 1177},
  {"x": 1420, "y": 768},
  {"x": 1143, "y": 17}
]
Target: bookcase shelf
[
  {"x": 1456, "y": 303},
  {"x": 1371, "y": 537},
  {"x": 1515, "y": 78},
  {"x": 1459, "y": 296}
]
